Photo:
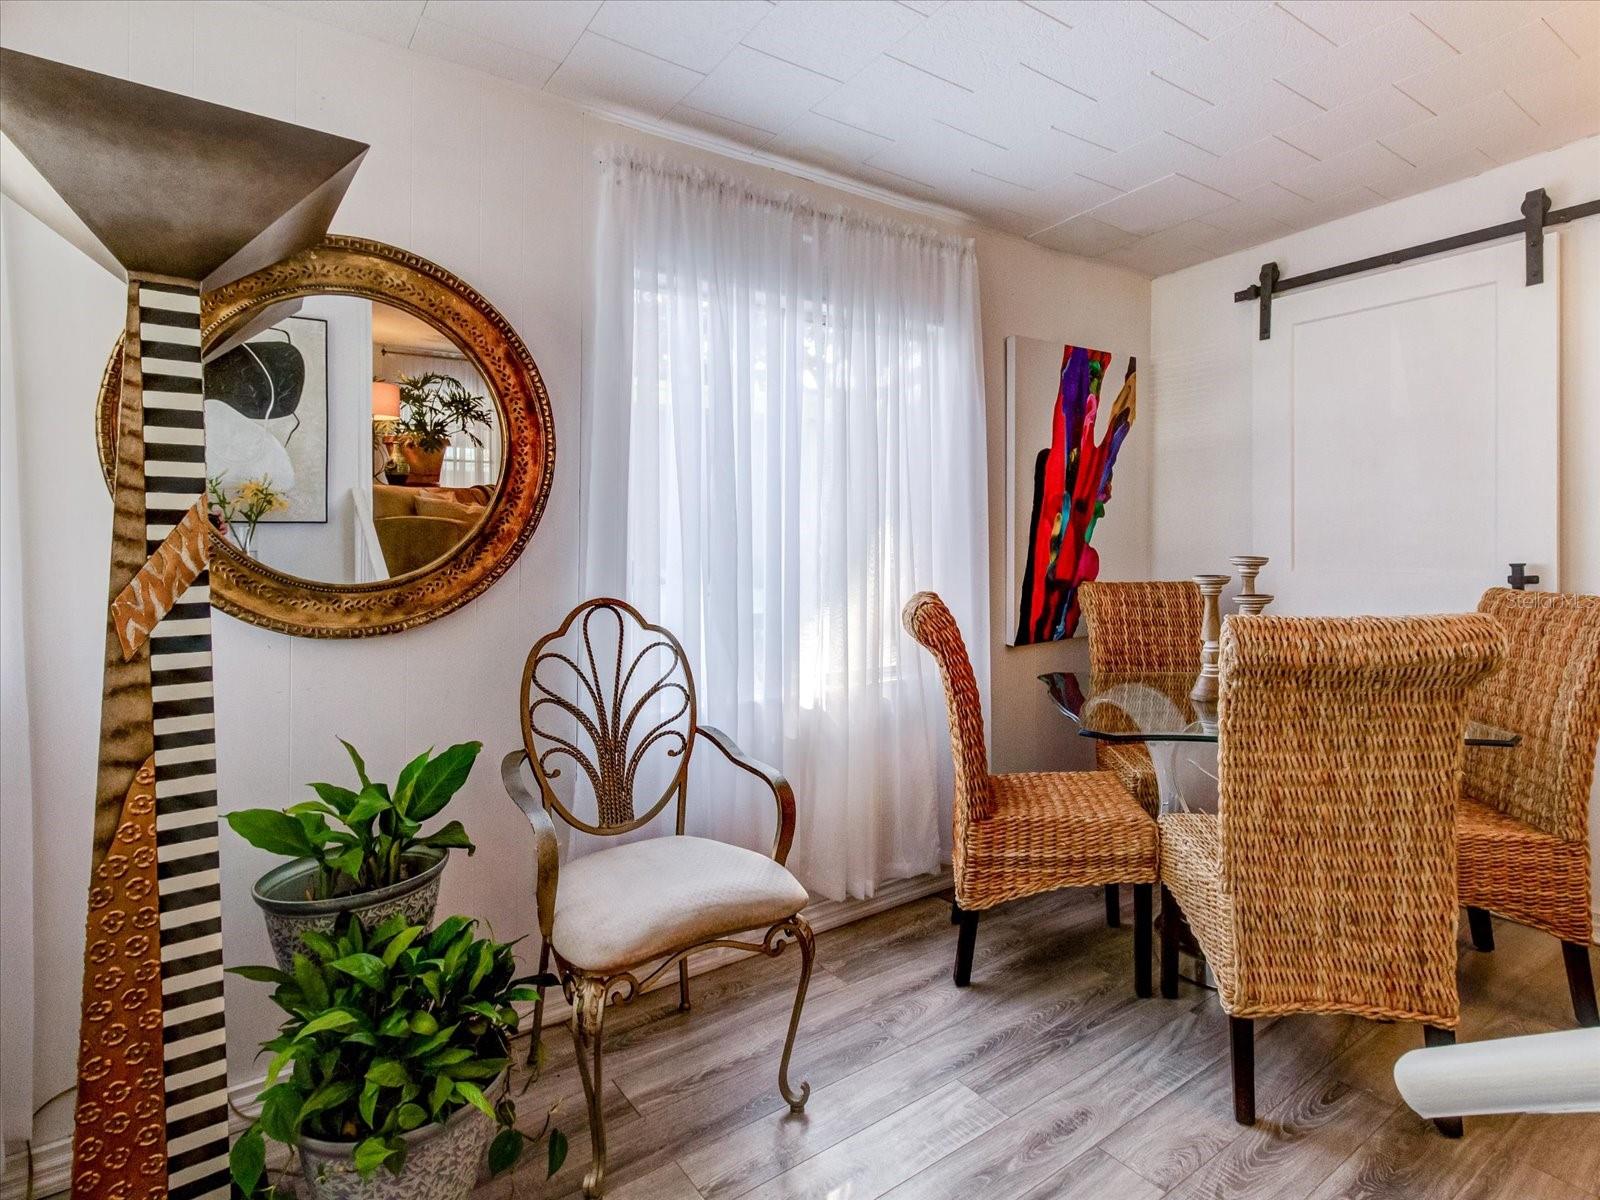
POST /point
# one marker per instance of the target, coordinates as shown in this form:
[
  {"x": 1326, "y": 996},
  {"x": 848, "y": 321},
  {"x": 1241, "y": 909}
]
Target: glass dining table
[{"x": 1180, "y": 734}]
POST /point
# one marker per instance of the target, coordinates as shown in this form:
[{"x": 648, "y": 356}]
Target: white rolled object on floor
[{"x": 1541, "y": 1073}]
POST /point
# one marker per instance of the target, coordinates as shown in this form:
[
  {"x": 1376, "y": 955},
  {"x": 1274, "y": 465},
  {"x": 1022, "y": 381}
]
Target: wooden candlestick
[
  {"x": 1251, "y": 603},
  {"x": 1248, "y": 566},
  {"x": 1205, "y": 684}
]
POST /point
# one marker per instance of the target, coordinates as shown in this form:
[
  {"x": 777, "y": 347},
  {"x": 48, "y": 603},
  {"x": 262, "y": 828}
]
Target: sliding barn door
[{"x": 1405, "y": 436}]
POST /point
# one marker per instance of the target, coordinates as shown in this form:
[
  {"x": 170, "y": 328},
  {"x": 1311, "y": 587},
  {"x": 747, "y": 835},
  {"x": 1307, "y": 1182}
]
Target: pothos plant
[
  {"x": 381, "y": 825},
  {"x": 435, "y": 406},
  {"x": 390, "y": 1030}
]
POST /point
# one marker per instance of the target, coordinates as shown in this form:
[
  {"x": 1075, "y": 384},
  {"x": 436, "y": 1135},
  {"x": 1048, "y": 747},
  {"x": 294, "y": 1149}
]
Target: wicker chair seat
[
  {"x": 1130, "y": 763},
  {"x": 1522, "y": 873},
  {"x": 1053, "y": 830}
]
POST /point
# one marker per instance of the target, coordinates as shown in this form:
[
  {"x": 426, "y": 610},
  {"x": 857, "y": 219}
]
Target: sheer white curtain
[{"x": 784, "y": 440}]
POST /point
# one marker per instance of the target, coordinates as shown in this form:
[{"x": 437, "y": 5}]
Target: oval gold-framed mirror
[{"x": 488, "y": 522}]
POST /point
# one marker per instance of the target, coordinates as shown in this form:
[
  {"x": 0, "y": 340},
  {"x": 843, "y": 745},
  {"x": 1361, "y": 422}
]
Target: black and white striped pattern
[{"x": 195, "y": 1050}]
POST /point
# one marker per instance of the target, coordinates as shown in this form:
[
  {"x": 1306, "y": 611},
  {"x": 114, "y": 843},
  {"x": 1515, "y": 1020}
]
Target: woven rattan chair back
[
  {"x": 928, "y": 620},
  {"x": 610, "y": 695},
  {"x": 1549, "y": 692},
  {"x": 1142, "y": 628},
  {"x": 1339, "y": 768}
]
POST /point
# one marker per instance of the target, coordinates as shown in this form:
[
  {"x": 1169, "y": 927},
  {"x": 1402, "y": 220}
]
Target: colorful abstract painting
[{"x": 1071, "y": 480}]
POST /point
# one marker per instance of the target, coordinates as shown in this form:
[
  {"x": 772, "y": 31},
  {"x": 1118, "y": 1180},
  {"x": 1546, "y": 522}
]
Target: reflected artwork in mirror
[{"x": 380, "y": 442}]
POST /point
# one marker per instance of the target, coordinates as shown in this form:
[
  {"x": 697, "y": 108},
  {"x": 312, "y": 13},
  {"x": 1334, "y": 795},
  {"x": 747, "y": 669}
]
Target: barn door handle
[{"x": 1519, "y": 577}]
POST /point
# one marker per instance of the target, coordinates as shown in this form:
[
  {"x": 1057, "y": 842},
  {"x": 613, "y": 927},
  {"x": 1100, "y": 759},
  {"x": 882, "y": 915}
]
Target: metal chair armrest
[
  {"x": 781, "y": 791},
  {"x": 545, "y": 849}
]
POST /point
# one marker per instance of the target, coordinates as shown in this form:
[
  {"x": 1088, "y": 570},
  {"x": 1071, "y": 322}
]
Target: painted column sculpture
[{"x": 176, "y": 196}]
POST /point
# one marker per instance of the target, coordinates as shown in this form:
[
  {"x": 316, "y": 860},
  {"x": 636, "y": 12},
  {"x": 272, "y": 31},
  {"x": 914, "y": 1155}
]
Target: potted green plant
[
  {"x": 389, "y": 1073},
  {"x": 360, "y": 851},
  {"x": 433, "y": 408}
]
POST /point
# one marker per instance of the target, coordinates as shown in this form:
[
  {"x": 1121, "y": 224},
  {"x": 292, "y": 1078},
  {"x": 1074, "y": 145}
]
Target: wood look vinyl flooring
[{"x": 1045, "y": 1080}]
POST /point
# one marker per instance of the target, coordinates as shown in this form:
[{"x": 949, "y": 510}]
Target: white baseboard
[{"x": 52, "y": 1160}]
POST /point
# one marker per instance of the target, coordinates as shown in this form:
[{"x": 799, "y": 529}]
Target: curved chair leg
[
  {"x": 808, "y": 948},
  {"x": 683, "y": 984},
  {"x": 1482, "y": 929},
  {"x": 1434, "y": 1035},
  {"x": 588, "y": 1019},
  {"x": 538, "y": 1013},
  {"x": 1580, "y": 982}
]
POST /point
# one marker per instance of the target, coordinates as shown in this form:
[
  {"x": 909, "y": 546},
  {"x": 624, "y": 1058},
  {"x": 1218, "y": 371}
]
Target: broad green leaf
[
  {"x": 247, "y": 1161},
  {"x": 349, "y": 863},
  {"x": 371, "y": 803},
  {"x": 312, "y": 806},
  {"x": 451, "y": 837},
  {"x": 558, "y": 1152},
  {"x": 368, "y": 1103},
  {"x": 260, "y": 974},
  {"x": 504, "y": 1150},
  {"x": 372, "y": 1153},
  {"x": 387, "y": 1072},
  {"x": 441, "y": 779},
  {"x": 308, "y": 976},
  {"x": 424, "y": 1023},
  {"x": 443, "y": 1089},
  {"x": 396, "y": 1024},
  {"x": 319, "y": 944},
  {"x": 340, "y": 799},
  {"x": 406, "y": 784},
  {"x": 399, "y": 943},
  {"x": 275, "y": 1067},
  {"x": 272, "y": 831},
  {"x": 367, "y": 968},
  {"x": 445, "y": 1058},
  {"x": 336, "y": 1018},
  {"x": 329, "y": 1095},
  {"x": 473, "y": 1095},
  {"x": 361, "y": 767},
  {"x": 446, "y": 932},
  {"x": 481, "y": 967},
  {"x": 280, "y": 1112},
  {"x": 410, "y": 1116}
]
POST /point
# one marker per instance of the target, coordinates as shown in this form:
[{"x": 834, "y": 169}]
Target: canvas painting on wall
[
  {"x": 1068, "y": 410},
  {"x": 267, "y": 416}
]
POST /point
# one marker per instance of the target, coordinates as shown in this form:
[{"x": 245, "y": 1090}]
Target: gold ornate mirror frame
[{"x": 254, "y": 592}]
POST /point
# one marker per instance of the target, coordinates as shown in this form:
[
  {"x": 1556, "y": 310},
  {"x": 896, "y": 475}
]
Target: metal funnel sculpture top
[{"x": 173, "y": 195}]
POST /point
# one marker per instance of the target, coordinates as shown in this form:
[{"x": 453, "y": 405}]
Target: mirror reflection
[{"x": 349, "y": 442}]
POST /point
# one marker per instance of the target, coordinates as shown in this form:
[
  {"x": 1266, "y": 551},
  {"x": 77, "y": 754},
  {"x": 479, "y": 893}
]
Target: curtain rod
[{"x": 1537, "y": 216}]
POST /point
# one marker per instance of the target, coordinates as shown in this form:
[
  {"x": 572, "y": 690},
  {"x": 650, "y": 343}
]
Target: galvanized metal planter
[
  {"x": 280, "y": 893},
  {"x": 442, "y": 1161}
]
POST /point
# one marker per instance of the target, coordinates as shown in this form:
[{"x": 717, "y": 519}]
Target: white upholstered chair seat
[{"x": 621, "y": 907}]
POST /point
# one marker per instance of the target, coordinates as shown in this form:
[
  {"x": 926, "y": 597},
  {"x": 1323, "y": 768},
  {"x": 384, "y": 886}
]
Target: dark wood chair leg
[
  {"x": 955, "y": 913},
  {"x": 1242, "y": 1040},
  {"x": 1580, "y": 982},
  {"x": 1171, "y": 923},
  {"x": 1433, "y": 1035},
  {"x": 1143, "y": 902},
  {"x": 1482, "y": 928},
  {"x": 1113, "y": 906},
  {"x": 966, "y": 939}
]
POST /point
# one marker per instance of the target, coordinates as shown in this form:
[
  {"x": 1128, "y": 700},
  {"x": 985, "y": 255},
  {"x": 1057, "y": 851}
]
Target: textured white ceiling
[{"x": 1151, "y": 133}]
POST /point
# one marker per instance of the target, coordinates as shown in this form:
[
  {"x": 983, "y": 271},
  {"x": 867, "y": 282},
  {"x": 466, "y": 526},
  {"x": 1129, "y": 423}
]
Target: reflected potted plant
[
  {"x": 358, "y": 851},
  {"x": 236, "y": 514},
  {"x": 390, "y": 1072},
  {"x": 434, "y": 408}
]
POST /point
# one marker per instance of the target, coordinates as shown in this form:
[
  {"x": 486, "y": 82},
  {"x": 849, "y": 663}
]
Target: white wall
[
  {"x": 494, "y": 183},
  {"x": 1202, "y": 365}
]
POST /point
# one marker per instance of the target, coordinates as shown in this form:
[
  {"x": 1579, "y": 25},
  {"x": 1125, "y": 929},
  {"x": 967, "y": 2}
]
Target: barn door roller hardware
[{"x": 1537, "y": 216}]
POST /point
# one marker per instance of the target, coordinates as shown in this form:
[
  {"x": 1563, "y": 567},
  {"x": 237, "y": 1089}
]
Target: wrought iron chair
[
  {"x": 625, "y": 915},
  {"x": 1138, "y": 628}
]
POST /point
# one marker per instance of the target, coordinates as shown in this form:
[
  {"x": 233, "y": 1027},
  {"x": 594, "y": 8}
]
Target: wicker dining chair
[
  {"x": 1139, "y": 628},
  {"x": 1523, "y": 827},
  {"x": 1326, "y": 880},
  {"x": 617, "y": 703},
  {"x": 1021, "y": 834}
]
